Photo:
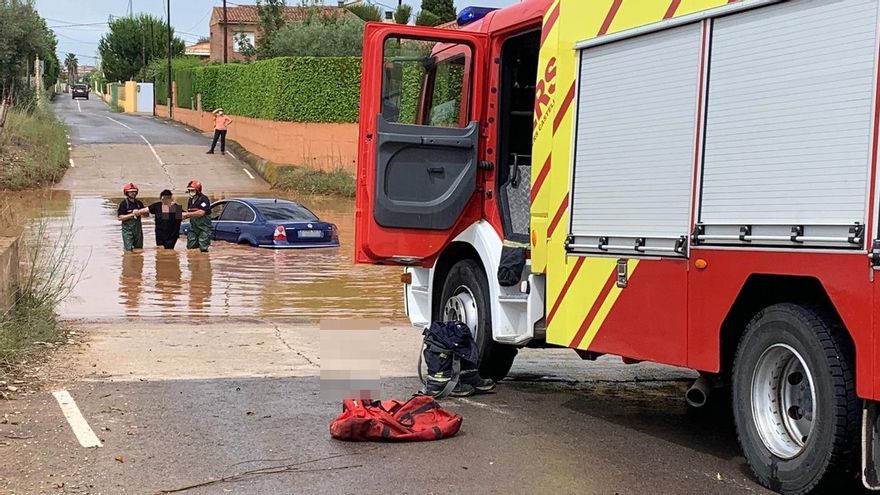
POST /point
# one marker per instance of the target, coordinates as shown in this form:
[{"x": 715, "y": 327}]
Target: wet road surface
[
  {"x": 230, "y": 281},
  {"x": 193, "y": 367}
]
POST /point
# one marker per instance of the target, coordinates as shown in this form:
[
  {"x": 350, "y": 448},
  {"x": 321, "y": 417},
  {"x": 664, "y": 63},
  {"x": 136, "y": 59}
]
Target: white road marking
[
  {"x": 79, "y": 107},
  {"x": 482, "y": 406},
  {"x": 120, "y": 123},
  {"x": 71, "y": 163},
  {"x": 233, "y": 156},
  {"x": 248, "y": 173},
  {"x": 153, "y": 150},
  {"x": 78, "y": 424}
]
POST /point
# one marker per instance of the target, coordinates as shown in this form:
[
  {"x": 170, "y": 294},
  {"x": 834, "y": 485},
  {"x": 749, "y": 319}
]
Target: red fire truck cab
[{"x": 689, "y": 183}]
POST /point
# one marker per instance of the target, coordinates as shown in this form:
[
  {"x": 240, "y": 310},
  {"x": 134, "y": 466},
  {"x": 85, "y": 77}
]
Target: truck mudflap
[{"x": 871, "y": 445}]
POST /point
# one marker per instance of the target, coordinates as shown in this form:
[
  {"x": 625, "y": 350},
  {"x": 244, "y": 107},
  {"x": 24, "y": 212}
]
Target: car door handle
[
  {"x": 436, "y": 170},
  {"x": 237, "y": 230}
]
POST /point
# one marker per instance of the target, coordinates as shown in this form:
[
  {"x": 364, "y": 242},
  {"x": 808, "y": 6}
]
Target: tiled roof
[
  {"x": 249, "y": 14},
  {"x": 199, "y": 49}
]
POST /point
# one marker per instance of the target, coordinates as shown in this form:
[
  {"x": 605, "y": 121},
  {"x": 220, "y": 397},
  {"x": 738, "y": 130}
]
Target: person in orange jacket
[{"x": 221, "y": 125}]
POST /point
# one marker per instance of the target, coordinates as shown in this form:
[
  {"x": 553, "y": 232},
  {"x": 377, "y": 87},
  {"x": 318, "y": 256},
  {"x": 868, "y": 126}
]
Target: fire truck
[{"x": 688, "y": 182}]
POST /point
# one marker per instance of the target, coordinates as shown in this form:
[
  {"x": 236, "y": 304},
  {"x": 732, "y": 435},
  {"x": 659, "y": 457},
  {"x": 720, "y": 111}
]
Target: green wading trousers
[
  {"x": 199, "y": 235},
  {"x": 132, "y": 234}
]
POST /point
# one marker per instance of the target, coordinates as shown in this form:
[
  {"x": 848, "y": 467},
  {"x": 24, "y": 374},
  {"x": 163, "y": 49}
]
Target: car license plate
[{"x": 310, "y": 234}]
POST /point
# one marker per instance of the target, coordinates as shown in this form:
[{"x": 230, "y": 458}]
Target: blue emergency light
[{"x": 471, "y": 14}]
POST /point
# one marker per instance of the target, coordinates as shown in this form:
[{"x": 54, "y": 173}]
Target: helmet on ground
[
  {"x": 194, "y": 184},
  {"x": 129, "y": 187}
]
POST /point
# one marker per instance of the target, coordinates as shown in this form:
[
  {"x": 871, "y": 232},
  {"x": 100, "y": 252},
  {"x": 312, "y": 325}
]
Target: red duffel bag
[{"x": 419, "y": 419}]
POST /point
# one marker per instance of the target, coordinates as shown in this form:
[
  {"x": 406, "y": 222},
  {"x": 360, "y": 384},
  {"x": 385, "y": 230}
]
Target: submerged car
[
  {"x": 79, "y": 91},
  {"x": 270, "y": 223}
]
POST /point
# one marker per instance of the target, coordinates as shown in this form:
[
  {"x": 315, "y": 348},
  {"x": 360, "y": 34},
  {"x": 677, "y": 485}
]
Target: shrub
[
  {"x": 305, "y": 180},
  {"x": 320, "y": 36},
  {"x": 33, "y": 149},
  {"x": 304, "y": 89}
]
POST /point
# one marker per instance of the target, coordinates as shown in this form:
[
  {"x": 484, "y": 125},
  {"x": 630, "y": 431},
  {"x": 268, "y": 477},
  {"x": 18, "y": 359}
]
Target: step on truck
[{"x": 688, "y": 182}]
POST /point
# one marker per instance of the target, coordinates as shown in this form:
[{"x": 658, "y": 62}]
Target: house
[
  {"x": 84, "y": 70},
  {"x": 201, "y": 50},
  {"x": 244, "y": 20}
]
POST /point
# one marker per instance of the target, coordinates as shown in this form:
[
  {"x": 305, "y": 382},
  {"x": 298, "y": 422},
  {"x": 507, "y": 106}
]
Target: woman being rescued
[{"x": 168, "y": 215}]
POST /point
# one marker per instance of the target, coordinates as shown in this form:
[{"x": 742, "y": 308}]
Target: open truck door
[{"x": 419, "y": 139}]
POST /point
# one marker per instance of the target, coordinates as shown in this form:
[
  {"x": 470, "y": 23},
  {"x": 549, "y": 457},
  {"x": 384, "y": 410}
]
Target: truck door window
[{"x": 425, "y": 83}]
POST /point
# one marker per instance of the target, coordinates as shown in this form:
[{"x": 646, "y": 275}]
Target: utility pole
[
  {"x": 170, "y": 96},
  {"x": 38, "y": 78},
  {"x": 130, "y": 11},
  {"x": 225, "y": 32}
]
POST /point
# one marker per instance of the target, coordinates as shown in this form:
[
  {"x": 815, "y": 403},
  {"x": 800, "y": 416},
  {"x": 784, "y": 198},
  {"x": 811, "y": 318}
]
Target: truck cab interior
[{"x": 519, "y": 69}]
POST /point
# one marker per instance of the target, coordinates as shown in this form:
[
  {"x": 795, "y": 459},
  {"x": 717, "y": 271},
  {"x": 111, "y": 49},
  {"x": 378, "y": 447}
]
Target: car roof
[{"x": 262, "y": 201}]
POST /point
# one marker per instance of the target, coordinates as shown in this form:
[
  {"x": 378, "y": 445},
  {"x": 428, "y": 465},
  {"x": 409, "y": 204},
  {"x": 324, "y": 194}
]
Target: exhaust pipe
[{"x": 698, "y": 394}]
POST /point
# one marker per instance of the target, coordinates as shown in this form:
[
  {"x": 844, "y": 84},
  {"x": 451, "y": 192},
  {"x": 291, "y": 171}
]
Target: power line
[
  {"x": 79, "y": 25},
  {"x": 76, "y": 40}
]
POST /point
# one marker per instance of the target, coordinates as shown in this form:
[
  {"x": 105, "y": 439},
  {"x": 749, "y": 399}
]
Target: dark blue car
[{"x": 271, "y": 223}]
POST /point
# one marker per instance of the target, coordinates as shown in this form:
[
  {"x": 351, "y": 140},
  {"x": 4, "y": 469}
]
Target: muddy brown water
[{"x": 231, "y": 281}]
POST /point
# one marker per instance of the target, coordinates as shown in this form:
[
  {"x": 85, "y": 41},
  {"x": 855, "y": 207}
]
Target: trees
[
  {"x": 271, "y": 21},
  {"x": 403, "y": 14},
  {"x": 366, "y": 12},
  {"x": 428, "y": 18},
  {"x": 132, "y": 42},
  {"x": 443, "y": 9},
  {"x": 71, "y": 65},
  {"x": 244, "y": 46},
  {"x": 320, "y": 35},
  {"x": 24, "y": 37}
]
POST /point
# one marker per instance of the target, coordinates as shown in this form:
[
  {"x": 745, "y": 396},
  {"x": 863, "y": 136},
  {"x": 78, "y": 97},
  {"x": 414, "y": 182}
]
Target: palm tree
[{"x": 71, "y": 64}]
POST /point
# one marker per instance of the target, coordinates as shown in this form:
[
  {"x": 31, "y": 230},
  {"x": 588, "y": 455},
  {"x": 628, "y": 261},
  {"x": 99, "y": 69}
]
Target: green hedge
[
  {"x": 186, "y": 97},
  {"x": 296, "y": 89},
  {"x": 302, "y": 89}
]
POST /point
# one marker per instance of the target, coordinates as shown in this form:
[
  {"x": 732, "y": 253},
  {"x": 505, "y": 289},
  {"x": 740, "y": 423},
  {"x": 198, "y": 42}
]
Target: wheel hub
[
  {"x": 783, "y": 401},
  {"x": 462, "y": 306}
]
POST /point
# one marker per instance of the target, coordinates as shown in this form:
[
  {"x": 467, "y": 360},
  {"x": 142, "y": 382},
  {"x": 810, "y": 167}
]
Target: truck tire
[
  {"x": 794, "y": 403},
  {"x": 465, "y": 297}
]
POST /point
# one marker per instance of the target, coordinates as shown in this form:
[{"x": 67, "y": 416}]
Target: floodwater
[{"x": 230, "y": 281}]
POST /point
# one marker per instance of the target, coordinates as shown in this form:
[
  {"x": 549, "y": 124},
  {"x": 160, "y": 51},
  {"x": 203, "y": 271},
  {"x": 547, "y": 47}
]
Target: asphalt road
[
  {"x": 111, "y": 149},
  {"x": 177, "y": 401}
]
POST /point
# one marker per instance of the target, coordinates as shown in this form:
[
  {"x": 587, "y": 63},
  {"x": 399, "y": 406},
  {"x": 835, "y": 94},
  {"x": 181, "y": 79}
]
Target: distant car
[
  {"x": 79, "y": 91},
  {"x": 269, "y": 223}
]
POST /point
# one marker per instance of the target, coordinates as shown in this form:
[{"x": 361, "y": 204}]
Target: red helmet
[
  {"x": 194, "y": 184},
  {"x": 129, "y": 187}
]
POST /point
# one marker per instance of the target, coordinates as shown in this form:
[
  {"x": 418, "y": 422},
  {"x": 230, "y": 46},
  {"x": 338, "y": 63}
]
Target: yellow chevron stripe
[{"x": 579, "y": 20}]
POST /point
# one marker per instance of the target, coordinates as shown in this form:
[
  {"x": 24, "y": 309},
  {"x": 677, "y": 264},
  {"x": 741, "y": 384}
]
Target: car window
[
  {"x": 217, "y": 210},
  {"x": 287, "y": 211},
  {"x": 237, "y": 212}
]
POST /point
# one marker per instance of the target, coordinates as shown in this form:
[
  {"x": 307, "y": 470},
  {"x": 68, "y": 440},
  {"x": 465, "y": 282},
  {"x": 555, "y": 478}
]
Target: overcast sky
[{"x": 189, "y": 17}]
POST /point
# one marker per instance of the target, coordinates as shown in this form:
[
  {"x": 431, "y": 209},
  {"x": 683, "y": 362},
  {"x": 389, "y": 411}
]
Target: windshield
[{"x": 286, "y": 212}]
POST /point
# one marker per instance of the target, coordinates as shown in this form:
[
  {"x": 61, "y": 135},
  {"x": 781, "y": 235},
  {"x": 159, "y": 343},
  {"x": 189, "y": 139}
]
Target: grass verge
[
  {"x": 309, "y": 181},
  {"x": 33, "y": 149},
  {"x": 46, "y": 276}
]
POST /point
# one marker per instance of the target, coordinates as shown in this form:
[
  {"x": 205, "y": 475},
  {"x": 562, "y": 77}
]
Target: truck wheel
[
  {"x": 794, "y": 401},
  {"x": 465, "y": 298}
]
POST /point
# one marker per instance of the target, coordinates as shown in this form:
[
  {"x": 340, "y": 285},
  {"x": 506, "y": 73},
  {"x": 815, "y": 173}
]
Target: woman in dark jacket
[{"x": 168, "y": 215}]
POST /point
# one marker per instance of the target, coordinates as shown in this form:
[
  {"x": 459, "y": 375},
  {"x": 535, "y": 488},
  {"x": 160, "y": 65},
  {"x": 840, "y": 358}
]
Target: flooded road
[{"x": 230, "y": 281}]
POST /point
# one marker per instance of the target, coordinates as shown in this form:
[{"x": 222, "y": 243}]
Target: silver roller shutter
[
  {"x": 788, "y": 127},
  {"x": 634, "y": 147}
]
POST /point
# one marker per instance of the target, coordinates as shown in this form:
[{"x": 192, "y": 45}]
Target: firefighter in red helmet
[
  {"x": 198, "y": 212},
  {"x": 129, "y": 213}
]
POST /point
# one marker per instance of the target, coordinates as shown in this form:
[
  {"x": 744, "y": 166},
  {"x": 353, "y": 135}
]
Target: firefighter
[
  {"x": 198, "y": 212},
  {"x": 129, "y": 213}
]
